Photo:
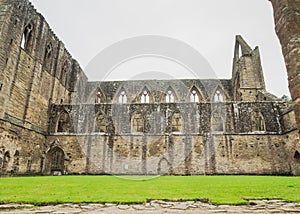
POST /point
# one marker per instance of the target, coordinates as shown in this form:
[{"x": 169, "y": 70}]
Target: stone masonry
[
  {"x": 54, "y": 121},
  {"x": 287, "y": 26}
]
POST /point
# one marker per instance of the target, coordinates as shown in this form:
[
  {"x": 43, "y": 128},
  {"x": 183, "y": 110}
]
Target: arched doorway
[
  {"x": 163, "y": 167},
  {"x": 55, "y": 163}
]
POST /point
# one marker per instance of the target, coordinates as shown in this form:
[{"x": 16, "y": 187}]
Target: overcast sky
[{"x": 209, "y": 26}]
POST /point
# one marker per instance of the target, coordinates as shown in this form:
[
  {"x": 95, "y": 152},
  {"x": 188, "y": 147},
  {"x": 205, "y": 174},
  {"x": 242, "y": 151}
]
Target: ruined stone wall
[
  {"x": 233, "y": 117},
  {"x": 287, "y": 26},
  {"x": 53, "y": 121},
  {"x": 21, "y": 150},
  {"x": 178, "y": 154},
  {"x": 36, "y": 71},
  {"x": 239, "y": 147}
]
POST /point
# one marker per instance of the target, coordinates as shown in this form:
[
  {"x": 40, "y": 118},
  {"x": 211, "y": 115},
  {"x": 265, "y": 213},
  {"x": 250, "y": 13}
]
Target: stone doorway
[
  {"x": 55, "y": 164},
  {"x": 163, "y": 167}
]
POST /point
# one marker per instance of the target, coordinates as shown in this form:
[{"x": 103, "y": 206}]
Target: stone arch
[
  {"x": 257, "y": 122},
  {"x": 177, "y": 122},
  {"x": 195, "y": 95},
  {"x": 6, "y": 160},
  {"x": 55, "y": 161},
  {"x": 64, "y": 123},
  {"x": 219, "y": 94},
  {"x": 164, "y": 167},
  {"x": 27, "y": 37},
  {"x": 137, "y": 123}
]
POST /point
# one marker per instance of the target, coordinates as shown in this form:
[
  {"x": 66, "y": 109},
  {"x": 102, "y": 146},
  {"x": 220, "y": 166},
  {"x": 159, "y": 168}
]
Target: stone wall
[
  {"x": 36, "y": 69},
  {"x": 53, "y": 121},
  {"x": 21, "y": 150},
  {"x": 287, "y": 26},
  {"x": 239, "y": 147},
  {"x": 178, "y": 154}
]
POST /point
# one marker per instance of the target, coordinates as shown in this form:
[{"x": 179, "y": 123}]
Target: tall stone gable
[{"x": 54, "y": 121}]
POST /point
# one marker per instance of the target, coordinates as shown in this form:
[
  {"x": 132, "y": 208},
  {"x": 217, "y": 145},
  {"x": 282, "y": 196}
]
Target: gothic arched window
[
  {"x": 219, "y": 95},
  {"x": 145, "y": 98},
  {"x": 258, "y": 122},
  {"x": 194, "y": 95},
  {"x": 123, "y": 97},
  {"x": 27, "y": 37},
  {"x": 177, "y": 122},
  {"x": 170, "y": 98},
  {"x": 64, "y": 71},
  {"x": 137, "y": 123},
  {"x": 47, "y": 57},
  {"x": 64, "y": 123}
]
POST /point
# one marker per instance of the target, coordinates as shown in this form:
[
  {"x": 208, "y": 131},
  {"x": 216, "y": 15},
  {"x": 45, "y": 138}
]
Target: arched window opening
[
  {"x": 64, "y": 123},
  {"x": 137, "y": 123},
  {"x": 145, "y": 98},
  {"x": 100, "y": 123},
  {"x": 64, "y": 71},
  {"x": 170, "y": 98},
  {"x": 6, "y": 160},
  {"x": 48, "y": 53},
  {"x": 258, "y": 122},
  {"x": 177, "y": 122},
  {"x": 194, "y": 95},
  {"x": 219, "y": 95},
  {"x": 27, "y": 37},
  {"x": 123, "y": 97}
]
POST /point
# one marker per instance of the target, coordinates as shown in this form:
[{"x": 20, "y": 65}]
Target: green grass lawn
[{"x": 217, "y": 189}]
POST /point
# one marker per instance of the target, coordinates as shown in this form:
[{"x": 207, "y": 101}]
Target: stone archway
[
  {"x": 163, "y": 167},
  {"x": 55, "y": 161}
]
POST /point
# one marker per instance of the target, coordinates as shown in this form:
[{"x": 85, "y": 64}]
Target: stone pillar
[{"x": 287, "y": 26}]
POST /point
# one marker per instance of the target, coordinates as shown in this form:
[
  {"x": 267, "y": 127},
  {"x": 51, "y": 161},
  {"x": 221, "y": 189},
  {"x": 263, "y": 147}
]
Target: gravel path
[{"x": 157, "y": 206}]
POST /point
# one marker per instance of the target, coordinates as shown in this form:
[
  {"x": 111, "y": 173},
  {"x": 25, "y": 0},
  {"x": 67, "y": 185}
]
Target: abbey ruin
[{"x": 53, "y": 120}]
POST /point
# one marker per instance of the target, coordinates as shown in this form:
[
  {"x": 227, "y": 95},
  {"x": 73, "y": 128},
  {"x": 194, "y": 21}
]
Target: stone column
[{"x": 287, "y": 26}]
